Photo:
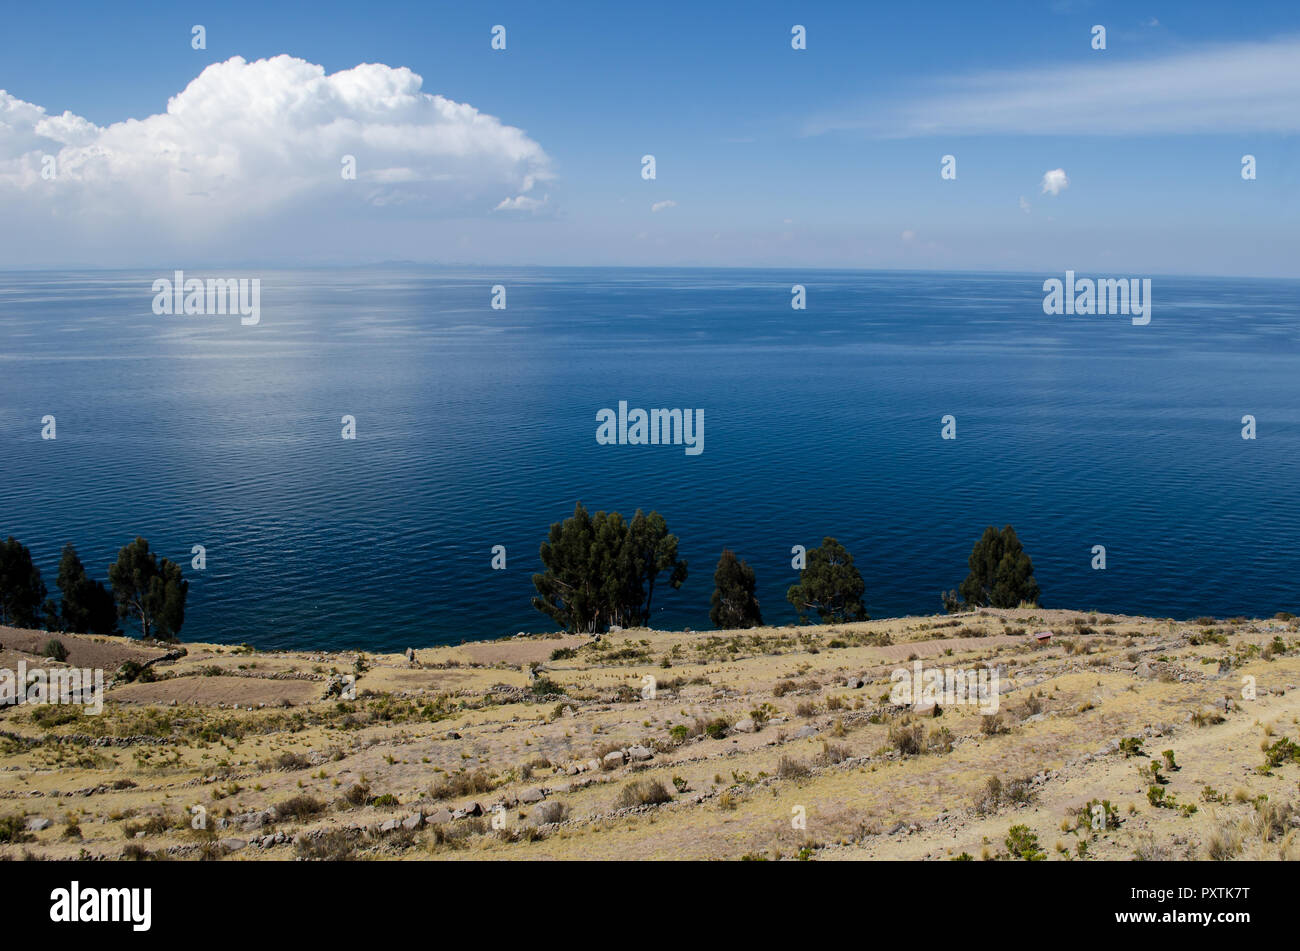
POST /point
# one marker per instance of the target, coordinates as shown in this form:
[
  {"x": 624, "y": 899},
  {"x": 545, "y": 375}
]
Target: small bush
[
  {"x": 334, "y": 846},
  {"x": 831, "y": 754},
  {"x": 790, "y": 768},
  {"x": 1023, "y": 844},
  {"x": 464, "y": 783},
  {"x": 1283, "y": 751},
  {"x": 549, "y": 812},
  {"x": 545, "y": 687},
  {"x": 643, "y": 792},
  {"x": 14, "y": 829},
  {"x": 299, "y": 807},
  {"x": 292, "y": 761},
  {"x": 907, "y": 740},
  {"x": 717, "y": 729},
  {"x": 55, "y": 650}
]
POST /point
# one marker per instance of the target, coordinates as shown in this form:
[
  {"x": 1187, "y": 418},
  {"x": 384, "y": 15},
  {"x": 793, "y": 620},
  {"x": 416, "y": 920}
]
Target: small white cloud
[
  {"x": 661, "y": 205},
  {"x": 908, "y": 235},
  {"x": 1024, "y": 205},
  {"x": 1055, "y": 181},
  {"x": 522, "y": 203}
]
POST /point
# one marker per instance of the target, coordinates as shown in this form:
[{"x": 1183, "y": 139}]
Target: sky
[{"x": 122, "y": 145}]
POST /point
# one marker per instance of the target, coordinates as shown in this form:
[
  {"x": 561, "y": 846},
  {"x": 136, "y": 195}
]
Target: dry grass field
[{"x": 1118, "y": 738}]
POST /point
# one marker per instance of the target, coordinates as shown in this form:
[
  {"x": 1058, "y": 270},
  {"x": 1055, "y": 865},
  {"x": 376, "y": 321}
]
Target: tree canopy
[
  {"x": 734, "y": 604},
  {"x": 602, "y": 570},
  {"x": 87, "y": 606},
  {"x": 149, "y": 590},
  {"x": 1001, "y": 574},
  {"x": 829, "y": 585},
  {"x": 22, "y": 592}
]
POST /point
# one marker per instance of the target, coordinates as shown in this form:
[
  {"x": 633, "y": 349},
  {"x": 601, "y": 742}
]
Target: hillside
[{"x": 746, "y": 732}]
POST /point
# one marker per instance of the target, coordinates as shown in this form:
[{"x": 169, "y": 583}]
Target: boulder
[
  {"x": 747, "y": 725},
  {"x": 233, "y": 845},
  {"x": 38, "y": 824},
  {"x": 412, "y": 821},
  {"x": 533, "y": 795},
  {"x": 438, "y": 817},
  {"x": 389, "y": 825},
  {"x": 640, "y": 753},
  {"x": 613, "y": 759}
]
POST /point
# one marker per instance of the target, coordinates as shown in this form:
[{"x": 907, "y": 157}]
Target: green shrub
[{"x": 1023, "y": 844}]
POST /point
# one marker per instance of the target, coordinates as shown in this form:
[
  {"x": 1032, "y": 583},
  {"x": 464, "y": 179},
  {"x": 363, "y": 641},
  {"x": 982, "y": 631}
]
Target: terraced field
[{"x": 1118, "y": 738}]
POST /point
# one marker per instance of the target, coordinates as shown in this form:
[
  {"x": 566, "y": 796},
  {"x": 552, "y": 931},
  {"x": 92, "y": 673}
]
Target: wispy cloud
[{"x": 1229, "y": 88}]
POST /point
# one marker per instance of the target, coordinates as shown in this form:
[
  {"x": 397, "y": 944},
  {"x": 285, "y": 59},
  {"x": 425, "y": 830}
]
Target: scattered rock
[
  {"x": 640, "y": 753},
  {"x": 533, "y": 795},
  {"x": 614, "y": 759},
  {"x": 38, "y": 824}
]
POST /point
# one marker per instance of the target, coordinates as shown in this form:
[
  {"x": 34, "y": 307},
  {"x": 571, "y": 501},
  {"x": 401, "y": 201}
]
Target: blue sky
[{"x": 766, "y": 156}]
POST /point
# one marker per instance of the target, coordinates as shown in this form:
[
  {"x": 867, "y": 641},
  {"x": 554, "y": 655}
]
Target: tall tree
[
  {"x": 568, "y": 590},
  {"x": 829, "y": 585},
  {"x": 22, "y": 592},
  {"x": 1001, "y": 574},
  {"x": 151, "y": 591},
  {"x": 601, "y": 570},
  {"x": 88, "y": 607},
  {"x": 651, "y": 549},
  {"x": 734, "y": 604}
]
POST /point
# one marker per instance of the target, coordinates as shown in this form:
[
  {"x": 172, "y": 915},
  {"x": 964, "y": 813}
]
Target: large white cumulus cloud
[{"x": 245, "y": 139}]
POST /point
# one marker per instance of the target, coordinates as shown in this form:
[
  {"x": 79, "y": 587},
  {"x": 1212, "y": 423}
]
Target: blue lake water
[{"x": 476, "y": 427}]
